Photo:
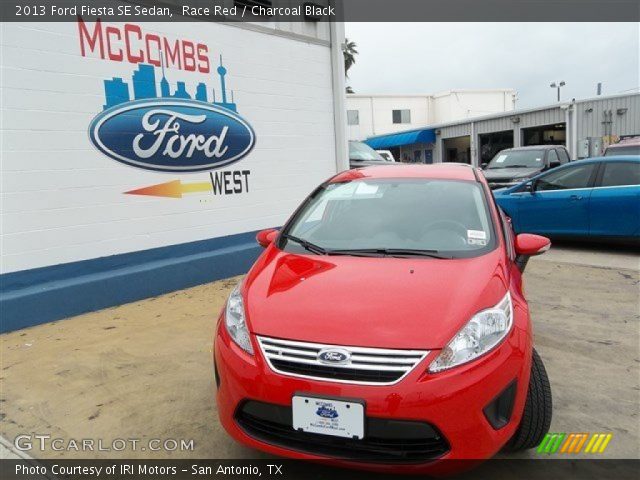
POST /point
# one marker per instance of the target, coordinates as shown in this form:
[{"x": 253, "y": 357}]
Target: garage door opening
[
  {"x": 492, "y": 143},
  {"x": 545, "y": 135},
  {"x": 457, "y": 149}
]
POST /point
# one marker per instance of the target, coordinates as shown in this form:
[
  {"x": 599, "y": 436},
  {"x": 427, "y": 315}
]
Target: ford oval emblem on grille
[{"x": 334, "y": 356}]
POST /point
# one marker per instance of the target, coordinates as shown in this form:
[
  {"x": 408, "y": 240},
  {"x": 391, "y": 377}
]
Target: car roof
[
  {"x": 625, "y": 142},
  {"x": 438, "y": 171},
  {"x": 535, "y": 147},
  {"x": 609, "y": 159}
]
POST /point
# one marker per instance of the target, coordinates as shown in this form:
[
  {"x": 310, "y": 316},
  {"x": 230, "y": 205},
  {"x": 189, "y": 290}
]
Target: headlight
[
  {"x": 235, "y": 321},
  {"x": 483, "y": 332}
]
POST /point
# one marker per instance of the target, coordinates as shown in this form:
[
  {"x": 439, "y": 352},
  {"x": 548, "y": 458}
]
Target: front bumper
[{"x": 452, "y": 402}]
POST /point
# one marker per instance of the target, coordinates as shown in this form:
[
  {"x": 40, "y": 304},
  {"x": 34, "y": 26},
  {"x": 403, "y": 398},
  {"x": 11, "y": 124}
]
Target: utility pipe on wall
[{"x": 339, "y": 96}]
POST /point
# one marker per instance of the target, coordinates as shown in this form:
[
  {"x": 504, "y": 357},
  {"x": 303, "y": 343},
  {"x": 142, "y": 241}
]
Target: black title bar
[
  {"x": 543, "y": 468},
  {"x": 322, "y": 10}
]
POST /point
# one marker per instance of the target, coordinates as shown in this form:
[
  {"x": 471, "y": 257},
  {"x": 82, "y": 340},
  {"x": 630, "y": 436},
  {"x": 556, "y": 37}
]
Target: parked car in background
[
  {"x": 626, "y": 146},
  {"x": 387, "y": 155},
  {"x": 362, "y": 155},
  {"x": 376, "y": 334},
  {"x": 598, "y": 198},
  {"x": 513, "y": 165}
]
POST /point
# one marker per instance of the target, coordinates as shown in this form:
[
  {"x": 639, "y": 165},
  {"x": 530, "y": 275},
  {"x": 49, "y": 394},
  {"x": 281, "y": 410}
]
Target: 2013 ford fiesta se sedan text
[{"x": 385, "y": 327}]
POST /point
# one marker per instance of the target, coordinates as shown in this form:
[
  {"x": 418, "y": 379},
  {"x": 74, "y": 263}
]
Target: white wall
[
  {"x": 375, "y": 111},
  {"x": 459, "y": 105},
  {"x": 62, "y": 200}
]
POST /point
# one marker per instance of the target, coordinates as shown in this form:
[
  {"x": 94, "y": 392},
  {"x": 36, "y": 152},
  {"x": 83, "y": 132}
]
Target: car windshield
[
  {"x": 626, "y": 150},
  {"x": 517, "y": 159},
  {"x": 359, "y": 151},
  {"x": 393, "y": 217}
]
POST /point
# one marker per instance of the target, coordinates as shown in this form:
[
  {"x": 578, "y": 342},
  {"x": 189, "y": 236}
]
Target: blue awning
[{"x": 382, "y": 142}]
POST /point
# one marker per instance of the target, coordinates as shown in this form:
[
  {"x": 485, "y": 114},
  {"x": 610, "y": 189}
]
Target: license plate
[{"x": 328, "y": 417}]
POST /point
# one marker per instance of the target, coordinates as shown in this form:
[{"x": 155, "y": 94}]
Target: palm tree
[{"x": 350, "y": 53}]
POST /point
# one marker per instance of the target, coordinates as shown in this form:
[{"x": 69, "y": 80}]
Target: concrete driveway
[{"x": 143, "y": 370}]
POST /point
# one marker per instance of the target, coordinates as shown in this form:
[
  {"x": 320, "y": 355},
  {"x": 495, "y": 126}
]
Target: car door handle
[{"x": 576, "y": 197}]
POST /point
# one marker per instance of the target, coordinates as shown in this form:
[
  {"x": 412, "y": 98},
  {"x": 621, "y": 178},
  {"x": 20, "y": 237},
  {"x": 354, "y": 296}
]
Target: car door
[
  {"x": 617, "y": 191},
  {"x": 559, "y": 201}
]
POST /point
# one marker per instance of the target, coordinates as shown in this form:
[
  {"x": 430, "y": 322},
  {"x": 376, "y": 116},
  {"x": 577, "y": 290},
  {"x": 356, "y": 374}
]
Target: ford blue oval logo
[
  {"x": 336, "y": 356},
  {"x": 172, "y": 135},
  {"x": 325, "y": 411}
]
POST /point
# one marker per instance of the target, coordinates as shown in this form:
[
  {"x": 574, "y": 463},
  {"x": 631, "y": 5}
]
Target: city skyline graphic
[{"x": 143, "y": 80}]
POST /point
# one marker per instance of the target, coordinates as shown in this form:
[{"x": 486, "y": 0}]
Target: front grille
[
  {"x": 371, "y": 366},
  {"x": 385, "y": 440}
]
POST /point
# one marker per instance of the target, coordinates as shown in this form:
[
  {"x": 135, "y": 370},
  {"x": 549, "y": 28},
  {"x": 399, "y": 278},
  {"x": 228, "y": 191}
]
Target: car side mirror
[
  {"x": 528, "y": 245},
  {"x": 554, "y": 165},
  {"x": 531, "y": 187},
  {"x": 483, "y": 165},
  {"x": 266, "y": 237}
]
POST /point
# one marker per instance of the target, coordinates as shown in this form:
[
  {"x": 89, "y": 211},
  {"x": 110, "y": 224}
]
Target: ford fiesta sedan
[{"x": 385, "y": 326}]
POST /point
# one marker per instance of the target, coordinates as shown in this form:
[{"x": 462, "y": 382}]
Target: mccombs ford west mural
[{"x": 171, "y": 130}]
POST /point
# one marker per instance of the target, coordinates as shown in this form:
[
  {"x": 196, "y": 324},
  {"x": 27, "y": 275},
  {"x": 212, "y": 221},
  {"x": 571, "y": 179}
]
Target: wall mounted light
[
  {"x": 515, "y": 119},
  {"x": 621, "y": 111}
]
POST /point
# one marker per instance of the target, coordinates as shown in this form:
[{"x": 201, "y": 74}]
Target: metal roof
[{"x": 381, "y": 142}]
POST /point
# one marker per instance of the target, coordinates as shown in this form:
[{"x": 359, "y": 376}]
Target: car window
[
  {"x": 450, "y": 217},
  {"x": 553, "y": 158},
  {"x": 563, "y": 155},
  {"x": 627, "y": 150},
  {"x": 359, "y": 151},
  {"x": 618, "y": 174},
  {"x": 517, "y": 159},
  {"x": 575, "y": 177}
]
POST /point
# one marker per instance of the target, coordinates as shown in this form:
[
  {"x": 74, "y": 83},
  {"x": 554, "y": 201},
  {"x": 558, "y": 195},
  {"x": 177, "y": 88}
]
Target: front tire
[{"x": 536, "y": 418}]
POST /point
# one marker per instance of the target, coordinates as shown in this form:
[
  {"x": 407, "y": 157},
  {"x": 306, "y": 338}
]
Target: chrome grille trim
[{"x": 364, "y": 359}]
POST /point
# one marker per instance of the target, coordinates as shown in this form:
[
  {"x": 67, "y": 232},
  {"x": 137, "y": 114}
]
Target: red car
[{"x": 385, "y": 326}]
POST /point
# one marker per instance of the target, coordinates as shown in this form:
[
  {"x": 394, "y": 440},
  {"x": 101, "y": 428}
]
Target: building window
[
  {"x": 401, "y": 116},
  {"x": 353, "y": 117}
]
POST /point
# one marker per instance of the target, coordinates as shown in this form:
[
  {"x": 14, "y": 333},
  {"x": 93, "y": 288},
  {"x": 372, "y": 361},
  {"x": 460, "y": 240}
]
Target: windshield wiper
[
  {"x": 306, "y": 244},
  {"x": 390, "y": 252},
  {"x": 518, "y": 166}
]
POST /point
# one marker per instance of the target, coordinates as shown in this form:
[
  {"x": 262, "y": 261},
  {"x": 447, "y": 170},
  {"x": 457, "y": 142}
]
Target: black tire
[{"x": 536, "y": 418}]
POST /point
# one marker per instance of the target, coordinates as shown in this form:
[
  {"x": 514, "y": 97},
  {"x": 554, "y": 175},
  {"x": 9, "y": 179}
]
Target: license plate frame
[{"x": 325, "y": 415}]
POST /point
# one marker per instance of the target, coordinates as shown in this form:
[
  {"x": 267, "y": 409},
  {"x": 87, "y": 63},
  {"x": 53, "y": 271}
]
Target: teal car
[{"x": 597, "y": 198}]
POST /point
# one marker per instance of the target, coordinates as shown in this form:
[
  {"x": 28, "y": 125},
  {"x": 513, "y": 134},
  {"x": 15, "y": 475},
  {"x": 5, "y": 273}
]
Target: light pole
[{"x": 558, "y": 85}]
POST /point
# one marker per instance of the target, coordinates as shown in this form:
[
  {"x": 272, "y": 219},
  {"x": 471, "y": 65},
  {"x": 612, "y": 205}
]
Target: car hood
[
  {"x": 418, "y": 303},
  {"x": 509, "y": 173}
]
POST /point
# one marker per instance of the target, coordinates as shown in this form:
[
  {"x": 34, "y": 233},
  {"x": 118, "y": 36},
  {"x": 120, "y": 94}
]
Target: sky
[{"x": 421, "y": 58}]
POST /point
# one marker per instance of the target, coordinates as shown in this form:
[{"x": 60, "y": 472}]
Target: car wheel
[{"x": 536, "y": 418}]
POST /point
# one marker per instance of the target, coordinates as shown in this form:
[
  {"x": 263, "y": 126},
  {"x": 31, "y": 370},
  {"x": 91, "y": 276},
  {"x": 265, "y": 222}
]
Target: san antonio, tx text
[{"x": 141, "y": 469}]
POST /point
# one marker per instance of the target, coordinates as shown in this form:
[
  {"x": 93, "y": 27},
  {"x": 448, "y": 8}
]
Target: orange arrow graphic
[{"x": 173, "y": 189}]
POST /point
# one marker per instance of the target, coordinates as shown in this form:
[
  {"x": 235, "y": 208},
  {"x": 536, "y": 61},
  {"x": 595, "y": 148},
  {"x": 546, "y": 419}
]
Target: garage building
[{"x": 585, "y": 127}]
